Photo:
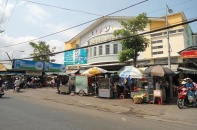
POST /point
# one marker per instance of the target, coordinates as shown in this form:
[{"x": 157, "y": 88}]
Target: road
[{"x": 23, "y": 113}]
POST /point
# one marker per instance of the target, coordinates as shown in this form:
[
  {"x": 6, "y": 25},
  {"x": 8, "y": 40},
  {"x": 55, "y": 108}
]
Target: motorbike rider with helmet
[
  {"x": 16, "y": 83},
  {"x": 190, "y": 86}
]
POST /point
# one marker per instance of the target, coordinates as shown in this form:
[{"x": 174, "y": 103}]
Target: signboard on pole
[
  {"x": 189, "y": 54},
  {"x": 73, "y": 57},
  {"x": 27, "y": 65}
]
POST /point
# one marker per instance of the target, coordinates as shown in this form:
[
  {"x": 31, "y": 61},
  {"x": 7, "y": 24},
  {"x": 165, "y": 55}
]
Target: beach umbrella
[
  {"x": 132, "y": 71},
  {"x": 158, "y": 71},
  {"x": 94, "y": 71}
]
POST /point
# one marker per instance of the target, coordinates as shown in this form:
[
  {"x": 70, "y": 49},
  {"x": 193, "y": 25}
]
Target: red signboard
[{"x": 189, "y": 54}]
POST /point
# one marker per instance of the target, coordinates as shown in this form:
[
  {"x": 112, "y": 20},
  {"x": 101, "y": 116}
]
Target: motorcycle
[
  {"x": 17, "y": 88},
  {"x": 1, "y": 91},
  {"x": 184, "y": 100}
]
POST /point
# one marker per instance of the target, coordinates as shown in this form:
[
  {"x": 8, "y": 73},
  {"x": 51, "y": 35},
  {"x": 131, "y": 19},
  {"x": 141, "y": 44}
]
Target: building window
[
  {"x": 90, "y": 52},
  {"x": 173, "y": 31},
  {"x": 100, "y": 50},
  {"x": 156, "y": 34},
  {"x": 157, "y": 47},
  {"x": 158, "y": 41},
  {"x": 180, "y": 30},
  {"x": 94, "y": 51},
  {"x": 107, "y": 49},
  {"x": 115, "y": 48},
  {"x": 158, "y": 52}
]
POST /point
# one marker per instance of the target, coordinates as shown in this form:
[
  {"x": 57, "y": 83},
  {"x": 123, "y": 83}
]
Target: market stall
[
  {"x": 157, "y": 83},
  {"x": 105, "y": 87},
  {"x": 83, "y": 85}
]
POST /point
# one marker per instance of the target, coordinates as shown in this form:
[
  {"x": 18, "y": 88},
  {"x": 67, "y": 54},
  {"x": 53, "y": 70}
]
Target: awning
[
  {"x": 71, "y": 71},
  {"x": 56, "y": 73},
  {"x": 5, "y": 67},
  {"x": 188, "y": 69}
]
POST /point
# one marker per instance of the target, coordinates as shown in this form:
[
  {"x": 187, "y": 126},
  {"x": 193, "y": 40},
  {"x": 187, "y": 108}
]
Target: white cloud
[
  {"x": 68, "y": 34},
  {"x": 14, "y": 51},
  {"x": 35, "y": 13}
]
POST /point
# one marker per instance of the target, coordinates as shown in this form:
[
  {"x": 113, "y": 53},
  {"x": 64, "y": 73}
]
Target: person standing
[{"x": 32, "y": 82}]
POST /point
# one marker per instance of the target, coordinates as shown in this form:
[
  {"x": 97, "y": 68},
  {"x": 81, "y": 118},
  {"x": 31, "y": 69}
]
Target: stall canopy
[
  {"x": 56, "y": 73},
  {"x": 132, "y": 71},
  {"x": 5, "y": 67}
]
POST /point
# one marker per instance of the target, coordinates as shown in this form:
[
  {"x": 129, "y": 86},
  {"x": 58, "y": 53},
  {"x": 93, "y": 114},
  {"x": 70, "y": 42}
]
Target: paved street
[{"x": 24, "y": 113}]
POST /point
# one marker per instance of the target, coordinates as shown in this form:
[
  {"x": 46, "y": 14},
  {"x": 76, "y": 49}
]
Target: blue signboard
[
  {"x": 27, "y": 65},
  {"x": 73, "y": 57},
  {"x": 52, "y": 67}
]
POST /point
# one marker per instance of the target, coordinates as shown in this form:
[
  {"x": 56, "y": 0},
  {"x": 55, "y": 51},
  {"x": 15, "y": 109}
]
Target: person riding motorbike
[
  {"x": 190, "y": 86},
  {"x": 16, "y": 84}
]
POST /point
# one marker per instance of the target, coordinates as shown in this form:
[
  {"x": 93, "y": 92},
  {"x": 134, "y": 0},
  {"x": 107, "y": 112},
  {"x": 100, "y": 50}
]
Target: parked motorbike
[
  {"x": 1, "y": 91},
  {"x": 184, "y": 100}
]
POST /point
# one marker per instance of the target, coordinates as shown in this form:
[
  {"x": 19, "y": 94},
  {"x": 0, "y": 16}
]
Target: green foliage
[
  {"x": 41, "y": 48},
  {"x": 133, "y": 45}
]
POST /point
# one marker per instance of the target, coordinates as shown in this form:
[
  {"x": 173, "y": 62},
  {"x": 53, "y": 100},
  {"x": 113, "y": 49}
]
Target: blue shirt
[{"x": 189, "y": 85}]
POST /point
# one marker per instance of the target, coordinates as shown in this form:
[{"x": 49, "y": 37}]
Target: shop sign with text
[
  {"x": 189, "y": 54},
  {"x": 27, "y": 65},
  {"x": 52, "y": 67}
]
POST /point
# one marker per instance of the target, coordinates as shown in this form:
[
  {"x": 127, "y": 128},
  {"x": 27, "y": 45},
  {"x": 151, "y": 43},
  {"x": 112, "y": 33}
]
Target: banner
[
  {"x": 27, "y": 65},
  {"x": 52, "y": 67},
  {"x": 189, "y": 54},
  {"x": 73, "y": 57}
]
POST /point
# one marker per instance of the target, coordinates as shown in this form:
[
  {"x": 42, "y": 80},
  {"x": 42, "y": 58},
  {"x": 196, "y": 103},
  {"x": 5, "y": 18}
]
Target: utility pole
[{"x": 9, "y": 57}]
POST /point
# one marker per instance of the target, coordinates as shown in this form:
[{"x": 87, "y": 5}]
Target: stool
[{"x": 121, "y": 96}]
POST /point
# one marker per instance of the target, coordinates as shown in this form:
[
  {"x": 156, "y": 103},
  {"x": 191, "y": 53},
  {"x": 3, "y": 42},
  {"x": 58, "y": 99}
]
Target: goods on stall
[{"x": 138, "y": 99}]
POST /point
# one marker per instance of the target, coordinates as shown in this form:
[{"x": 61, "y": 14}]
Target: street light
[
  {"x": 15, "y": 51},
  {"x": 168, "y": 10}
]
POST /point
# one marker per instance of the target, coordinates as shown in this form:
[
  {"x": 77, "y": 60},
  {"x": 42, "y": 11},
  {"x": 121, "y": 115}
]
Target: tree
[
  {"x": 131, "y": 46},
  {"x": 41, "y": 48}
]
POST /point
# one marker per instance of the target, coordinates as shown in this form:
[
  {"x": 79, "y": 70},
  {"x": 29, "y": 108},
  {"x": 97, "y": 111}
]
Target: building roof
[
  {"x": 101, "y": 19},
  {"x": 188, "y": 48}
]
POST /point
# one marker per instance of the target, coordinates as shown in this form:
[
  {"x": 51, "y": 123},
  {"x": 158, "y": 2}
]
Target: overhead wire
[
  {"x": 1, "y": 22},
  {"x": 85, "y": 22},
  {"x": 11, "y": 15},
  {"x": 118, "y": 39},
  {"x": 170, "y": 6},
  {"x": 76, "y": 25},
  {"x": 79, "y": 11}
]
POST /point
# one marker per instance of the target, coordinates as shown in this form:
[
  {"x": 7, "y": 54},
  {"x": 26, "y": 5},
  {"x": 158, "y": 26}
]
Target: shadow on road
[{"x": 5, "y": 97}]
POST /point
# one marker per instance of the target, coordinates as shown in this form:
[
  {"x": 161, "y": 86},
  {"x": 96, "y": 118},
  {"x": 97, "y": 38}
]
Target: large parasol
[
  {"x": 132, "y": 71},
  {"x": 158, "y": 71},
  {"x": 94, "y": 71}
]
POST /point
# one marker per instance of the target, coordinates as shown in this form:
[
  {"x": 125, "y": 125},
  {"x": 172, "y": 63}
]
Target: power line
[
  {"x": 118, "y": 39},
  {"x": 170, "y": 6},
  {"x": 76, "y": 25},
  {"x": 11, "y": 15},
  {"x": 61, "y": 8},
  {"x": 122, "y": 38},
  {"x": 3, "y": 12}
]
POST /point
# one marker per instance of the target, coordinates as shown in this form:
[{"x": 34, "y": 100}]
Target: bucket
[{"x": 159, "y": 101}]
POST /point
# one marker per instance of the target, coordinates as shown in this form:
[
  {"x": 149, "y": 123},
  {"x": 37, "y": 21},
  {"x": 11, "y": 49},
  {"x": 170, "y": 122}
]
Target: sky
[{"x": 31, "y": 20}]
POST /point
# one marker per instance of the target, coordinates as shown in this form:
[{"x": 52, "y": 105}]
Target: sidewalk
[{"x": 124, "y": 106}]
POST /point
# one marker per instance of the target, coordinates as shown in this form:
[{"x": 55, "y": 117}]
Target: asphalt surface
[{"x": 22, "y": 113}]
